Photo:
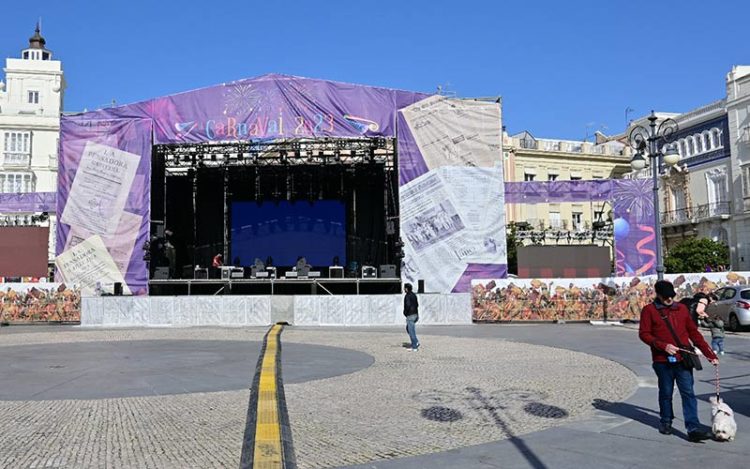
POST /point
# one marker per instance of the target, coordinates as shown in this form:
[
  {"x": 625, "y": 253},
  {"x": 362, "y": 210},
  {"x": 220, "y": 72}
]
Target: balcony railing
[
  {"x": 696, "y": 214},
  {"x": 16, "y": 160}
]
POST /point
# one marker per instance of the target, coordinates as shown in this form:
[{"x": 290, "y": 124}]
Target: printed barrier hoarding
[
  {"x": 504, "y": 300},
  {"x": 449, "y": 167},
  {"x": 32, "y": 302}
]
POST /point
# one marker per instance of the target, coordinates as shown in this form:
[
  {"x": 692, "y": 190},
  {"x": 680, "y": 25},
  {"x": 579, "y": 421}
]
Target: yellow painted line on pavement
[{"x": 268, "y": 450}]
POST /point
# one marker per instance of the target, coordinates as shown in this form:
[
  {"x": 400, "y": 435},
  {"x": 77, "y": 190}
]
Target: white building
[
  {"x": 31, "y": 100},
  {"x": 738, "y": 114},
  {"x": 708, "y": 194}
]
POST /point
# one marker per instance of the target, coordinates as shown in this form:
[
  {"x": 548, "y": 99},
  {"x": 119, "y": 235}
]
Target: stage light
[{"x": 213, "y": 157}]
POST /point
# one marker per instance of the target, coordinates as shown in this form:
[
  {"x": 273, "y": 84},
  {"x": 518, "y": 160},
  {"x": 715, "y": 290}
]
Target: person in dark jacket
[
  {"x": 411, "y": 312},
  {"x": 668, "y": 357}
]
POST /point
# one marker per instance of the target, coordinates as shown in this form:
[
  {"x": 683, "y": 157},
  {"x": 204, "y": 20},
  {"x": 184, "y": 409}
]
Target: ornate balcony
[{"x": 696, "y": 214}]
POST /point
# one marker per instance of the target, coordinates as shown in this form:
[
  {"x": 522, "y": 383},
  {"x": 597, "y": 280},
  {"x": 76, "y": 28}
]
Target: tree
[
  {"x": 695, "y": 255},
  {"x": 511, "y": 243}
]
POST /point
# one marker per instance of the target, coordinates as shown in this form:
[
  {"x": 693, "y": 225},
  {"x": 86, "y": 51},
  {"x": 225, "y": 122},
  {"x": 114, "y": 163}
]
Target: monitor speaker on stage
[
  {"x": 335, "y": 271},
  {"x": 388, "y": 271},
  {"x": 200, "y": 273},
  {"x": 420, "y": 286},
  {"x": 369, "y": 271},
  {"x": 161, "y": 273}
]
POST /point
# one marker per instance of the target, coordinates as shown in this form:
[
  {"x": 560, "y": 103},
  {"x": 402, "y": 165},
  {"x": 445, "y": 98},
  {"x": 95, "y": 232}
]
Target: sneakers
[
  {"x": 698, "y": 436},
  {"x": 665, "y": 429},
  {"x": 721, "y": 353}
]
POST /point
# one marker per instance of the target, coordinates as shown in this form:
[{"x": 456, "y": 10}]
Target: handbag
[{"x": 690, "y": 360}]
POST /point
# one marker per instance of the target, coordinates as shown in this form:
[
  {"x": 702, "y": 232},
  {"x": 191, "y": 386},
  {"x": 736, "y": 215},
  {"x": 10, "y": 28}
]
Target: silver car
[{"x": 732, "y": 306}]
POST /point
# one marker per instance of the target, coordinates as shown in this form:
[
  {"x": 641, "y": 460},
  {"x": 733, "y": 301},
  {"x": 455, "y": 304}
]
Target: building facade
[
  {"x": 707, "y": 194},
  {"x": 31, "y": 100},
  {"x": 528, "y": 158},
  {"x": 738, "y": 121}
]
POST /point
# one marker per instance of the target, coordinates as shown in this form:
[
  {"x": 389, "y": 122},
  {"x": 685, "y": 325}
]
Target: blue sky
[{"x": 564, "y": 68}]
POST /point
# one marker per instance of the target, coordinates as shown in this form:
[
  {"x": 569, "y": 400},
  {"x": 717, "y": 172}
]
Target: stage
[
  {"x": 282, "y": 286},
  {"x": 263, "y": 310}
]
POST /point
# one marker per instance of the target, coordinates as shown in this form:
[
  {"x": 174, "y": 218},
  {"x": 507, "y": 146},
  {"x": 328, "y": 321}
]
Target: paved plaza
[{"x": 473, "y": 396}]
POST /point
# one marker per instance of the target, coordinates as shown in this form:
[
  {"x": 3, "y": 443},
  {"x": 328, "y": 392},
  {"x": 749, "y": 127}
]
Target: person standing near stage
[
  {"x": 216, "y": 264},
  {"x": 666, "y": 326},
  {"x": 411, "y": 312}
]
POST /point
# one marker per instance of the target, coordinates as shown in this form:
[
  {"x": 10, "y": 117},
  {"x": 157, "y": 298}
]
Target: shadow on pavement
[
  {"x": 484, "y": 403},
  {"x": 648, "y": 417},
  {"x": 738, "y": 400}
]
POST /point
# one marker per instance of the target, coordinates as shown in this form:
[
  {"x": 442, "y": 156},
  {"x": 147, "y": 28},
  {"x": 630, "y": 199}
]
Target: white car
[{"x": 732, "y": 306}]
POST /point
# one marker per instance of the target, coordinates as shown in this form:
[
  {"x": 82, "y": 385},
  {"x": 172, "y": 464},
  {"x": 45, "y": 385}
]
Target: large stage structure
[{"x": 300, "y": 175}]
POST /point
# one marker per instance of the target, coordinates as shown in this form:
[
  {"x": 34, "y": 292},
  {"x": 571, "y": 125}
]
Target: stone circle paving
[{"x": 353, "y": 396}]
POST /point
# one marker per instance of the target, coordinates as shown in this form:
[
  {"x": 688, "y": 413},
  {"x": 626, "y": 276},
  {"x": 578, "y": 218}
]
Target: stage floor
[{"x": 280, "y": 286}]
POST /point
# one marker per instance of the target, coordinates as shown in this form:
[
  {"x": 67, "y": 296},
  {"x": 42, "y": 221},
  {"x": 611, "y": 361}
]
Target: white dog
[{"x": 722, "y": 420}]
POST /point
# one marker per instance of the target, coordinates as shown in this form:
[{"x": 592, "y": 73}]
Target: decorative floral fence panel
[{"x": 618, "y": 298}]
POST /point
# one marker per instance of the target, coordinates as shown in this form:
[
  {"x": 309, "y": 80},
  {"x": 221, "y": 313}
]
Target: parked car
[{"x": 732, "y": 306}]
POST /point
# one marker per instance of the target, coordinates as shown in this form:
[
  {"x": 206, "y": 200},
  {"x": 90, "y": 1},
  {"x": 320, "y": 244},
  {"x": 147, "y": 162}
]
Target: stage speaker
[
  {"x": 388, "y": 271},
  {"x": 420, "y": 286},
  {"x": 200, "y": 273},
  {"x": 161, "y": 273},
  {"x": 369, "y": 271},
  {"x": 118, "y": 288},
  {"x": 335, "y": 271}
]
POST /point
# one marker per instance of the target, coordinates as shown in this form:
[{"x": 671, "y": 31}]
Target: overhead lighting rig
[{"x": 290, "y": 152}]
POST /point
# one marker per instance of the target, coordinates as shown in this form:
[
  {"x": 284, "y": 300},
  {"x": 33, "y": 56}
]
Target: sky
[{"x": 563, "y": 68}]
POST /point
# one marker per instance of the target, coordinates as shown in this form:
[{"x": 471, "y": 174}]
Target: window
[
  {"x": 699, "y": 143},
  {"x": 16, "y": 182},
  {"x": 575, "y": 178},
  {"x": 577, "y": 220},
  {"x": 690, "y": 146},
  {"x": 528, "y": 177},
  {"x": 16, "y": 148},
  {"x": 727, "y": 294},
  {"x": 26, "y": 55},
  {"x": 597, "y": 176},
  {"x": 746, "y": 180},
  {"x": 716, "y": 137},
  {"x": 554, "y": 220},
  {"x": 33, "y": 97},
  {"x": 552, "y": 177},
  {"x": 707, "y": 139}
]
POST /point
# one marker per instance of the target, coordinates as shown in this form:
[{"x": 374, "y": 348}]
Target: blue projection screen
[{"x": 285, "y": 231}]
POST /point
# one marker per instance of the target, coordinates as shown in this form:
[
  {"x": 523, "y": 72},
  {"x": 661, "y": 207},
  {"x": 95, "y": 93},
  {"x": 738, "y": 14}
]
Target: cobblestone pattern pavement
[
  {"x": 454, "y": 392},
  {"x": 200, "y": 430}
]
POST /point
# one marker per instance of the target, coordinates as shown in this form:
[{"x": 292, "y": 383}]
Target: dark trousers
[{"x": 668, "y": 374}]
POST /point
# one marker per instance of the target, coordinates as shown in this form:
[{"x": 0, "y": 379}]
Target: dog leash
[
  {"x": 717, "y": 382},
  {"x": 716, "y": 379}
]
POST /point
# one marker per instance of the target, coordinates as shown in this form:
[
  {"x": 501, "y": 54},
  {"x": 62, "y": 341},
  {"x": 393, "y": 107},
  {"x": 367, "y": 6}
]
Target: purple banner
[
  {"x": 103, "y": 203},
  {"x": 28, "y": 202},
  {"x": 632, "y": 199},
  {"x": 540, "y": 192},
  {"x": 635, "y": 235}
]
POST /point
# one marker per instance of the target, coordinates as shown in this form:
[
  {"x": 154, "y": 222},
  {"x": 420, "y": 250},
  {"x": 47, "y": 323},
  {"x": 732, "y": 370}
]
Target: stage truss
[{"x": 283, "y": 152}]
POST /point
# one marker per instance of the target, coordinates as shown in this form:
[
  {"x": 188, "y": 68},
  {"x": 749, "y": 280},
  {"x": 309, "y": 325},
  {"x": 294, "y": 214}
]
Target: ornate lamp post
[{"x": 654, "y": 141}]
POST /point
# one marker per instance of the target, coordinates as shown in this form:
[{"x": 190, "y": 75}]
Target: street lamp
[{"x": 654, "y": 141}]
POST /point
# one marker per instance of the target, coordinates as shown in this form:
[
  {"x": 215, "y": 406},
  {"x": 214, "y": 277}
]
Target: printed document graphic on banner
[
  {"x": 100, "y": 189},
  {"x": 456, "y": 132},
  {"x": 435, "y": 233},
  {"x": 120, "y": 245},
  {"x": 87, "y": 264}
]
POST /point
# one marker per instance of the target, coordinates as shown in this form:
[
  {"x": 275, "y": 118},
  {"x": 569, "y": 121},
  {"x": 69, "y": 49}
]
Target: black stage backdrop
[{"x": 198, "y": 237}]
